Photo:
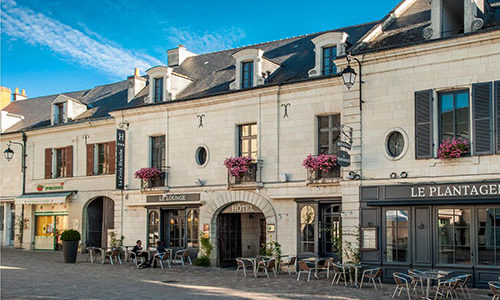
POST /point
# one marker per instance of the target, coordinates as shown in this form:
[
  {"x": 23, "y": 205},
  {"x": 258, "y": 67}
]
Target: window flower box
[
  {"x": 241, "y": 170},
  {"x": 321, "y": 168},
  {"x": 150, "y": 178},
  {"x": 453, "y": 148}
]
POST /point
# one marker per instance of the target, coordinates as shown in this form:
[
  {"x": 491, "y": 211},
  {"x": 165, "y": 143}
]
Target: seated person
[
  {"x": 137, "y": 250},
  {"x": 160, "y": 251}
]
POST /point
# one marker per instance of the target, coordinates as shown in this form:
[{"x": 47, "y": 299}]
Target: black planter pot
[{"x": 70, "y": 249}]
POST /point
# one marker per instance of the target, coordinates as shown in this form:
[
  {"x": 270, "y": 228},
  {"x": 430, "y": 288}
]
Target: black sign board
[
  {"x": 344, "y": 145},
  {"x": 343, "y": 158},
  {"x": 173, "y": 198},
  {"x": 120, "y": 159}
]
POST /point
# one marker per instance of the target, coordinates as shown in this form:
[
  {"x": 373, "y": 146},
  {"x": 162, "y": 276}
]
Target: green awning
[{"x": 46, "y": 198}]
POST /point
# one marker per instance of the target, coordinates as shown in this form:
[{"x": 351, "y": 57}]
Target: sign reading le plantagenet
[
  {"x": 451, "y": 190},
  {"x": 120, "y": 159}
]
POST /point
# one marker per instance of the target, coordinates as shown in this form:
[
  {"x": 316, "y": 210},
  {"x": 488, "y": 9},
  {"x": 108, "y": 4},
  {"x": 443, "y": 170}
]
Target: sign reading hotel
[
  {"x": 173, "y": 198},
  {"x": 241, "y": 208},
  {"x": 120, "y": 159},
  {"x": 444, "y": 191}
]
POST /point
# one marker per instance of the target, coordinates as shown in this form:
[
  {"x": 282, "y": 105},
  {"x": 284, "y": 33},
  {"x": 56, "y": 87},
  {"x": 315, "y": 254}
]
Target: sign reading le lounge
[
  {"x": 452, "y": 190},
  {"x": 173, "y": 198}
]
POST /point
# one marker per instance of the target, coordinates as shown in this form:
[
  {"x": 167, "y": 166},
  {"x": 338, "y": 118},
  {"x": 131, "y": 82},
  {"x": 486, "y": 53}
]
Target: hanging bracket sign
[
  {"x": 344, "y": 145},
  {"x": 120, "y": 159},
  {"x": 343, "y": 158}
]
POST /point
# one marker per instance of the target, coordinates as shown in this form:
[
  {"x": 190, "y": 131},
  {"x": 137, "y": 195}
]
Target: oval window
[
  {"x": 395, "y": 144},
  {"x": 201, "y": 155}
]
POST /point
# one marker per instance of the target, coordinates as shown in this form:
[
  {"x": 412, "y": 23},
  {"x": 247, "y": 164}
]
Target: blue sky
[{"x": 55, "y": 46}]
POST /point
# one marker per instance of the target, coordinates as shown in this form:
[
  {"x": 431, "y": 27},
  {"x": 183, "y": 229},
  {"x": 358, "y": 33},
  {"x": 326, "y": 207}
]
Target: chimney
[
  {"x": 177, "y": 55},
  {"x": 135, "y": 84},
  {"x": 17, "y": 96}
]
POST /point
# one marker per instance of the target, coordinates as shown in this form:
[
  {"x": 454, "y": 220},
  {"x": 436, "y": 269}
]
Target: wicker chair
[
  {"x": 164, "y": 257},
  {"x": 183, "y": 257},
  {"x": 339, "y": 271},
  {"x": 402, "y": 283},
  {"x": 114, "y": 253},
  {"x": 416, "y": 280},
  {"x": 291, "y": 263},
  {"x": 463, "y": 284},
  {"x": 243, "y": 264},
  {"x": 371, "y": 275},
  {"x": 304, "y": 268},
  {"x": 495, "y": 289},
  {"x": 447, "y": 288},
  {"x": 267, "y": 265},
  {"x": 327, "y": 266}
]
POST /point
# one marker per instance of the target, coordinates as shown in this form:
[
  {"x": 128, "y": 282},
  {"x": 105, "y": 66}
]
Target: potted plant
[
  {"x": 320, "y": 166},
  {"x": 453, "y": 148},
  {"x": 147, "y": 175},
  {"x": 70, "y": 240},
  {"x": 238, "y": 167}
]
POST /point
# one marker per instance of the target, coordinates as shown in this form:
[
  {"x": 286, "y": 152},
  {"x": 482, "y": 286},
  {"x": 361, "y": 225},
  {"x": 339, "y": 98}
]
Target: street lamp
[
  {"x": 349, "y": 76},
  {"x": 8, "y": 153}
]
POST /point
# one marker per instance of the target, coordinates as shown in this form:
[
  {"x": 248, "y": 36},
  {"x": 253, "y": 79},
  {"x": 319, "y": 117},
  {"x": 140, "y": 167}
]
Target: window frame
[
  {"x": 250, "y": 137},
  {"x": 247, "y": 81},
  {"x": 385, "y": 231},
  {"x": 454, "y": 93},
  {"x": 472, "y": 235},
  {"x": 159, "y": 163},
  {"x": 105, "y": 163},
  {"x": 60, "y": 156},
  {"x": 332, "y": 145},
  {"x": 59, "y": 116},
  {"x": 158, "y": 89},
  {"x": 328, "y": 67},
  {"x": 496, "y": 236}
]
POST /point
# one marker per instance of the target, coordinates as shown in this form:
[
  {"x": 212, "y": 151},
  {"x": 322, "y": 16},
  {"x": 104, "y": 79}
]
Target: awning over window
[{"x": 46, "y": 198}]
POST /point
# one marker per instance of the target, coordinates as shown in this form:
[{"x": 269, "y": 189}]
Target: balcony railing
[
  {"x": 251, "y": 178},
  {"x": 332, "y": 175},
  {"x": 153, "y": 184}
]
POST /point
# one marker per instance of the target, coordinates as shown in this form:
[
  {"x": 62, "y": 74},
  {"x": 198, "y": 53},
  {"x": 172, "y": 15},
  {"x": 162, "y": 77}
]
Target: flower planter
[
  {"x": 321, "y": 168},
  {"x": 453, "y": 148},
  {"x": 70, "y": 249}
]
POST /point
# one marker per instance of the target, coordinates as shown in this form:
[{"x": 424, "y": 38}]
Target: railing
[
  {"x": 148, "y": 184},
  {"x": 319, "y": 176},
  {"x": 248, "y": 178}
]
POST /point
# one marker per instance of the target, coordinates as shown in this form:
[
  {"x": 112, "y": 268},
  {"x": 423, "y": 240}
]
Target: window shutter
[
  {"x": 48, "y": 163},
  {"x": 481, "y": 116},
  {"x": 90, "y": 159},
  {"x": 497, "y": 114},
  {"x": 111, "y": 157},
  {"x": 69, "y": 161},
  {"x": 423, "y": 124}
]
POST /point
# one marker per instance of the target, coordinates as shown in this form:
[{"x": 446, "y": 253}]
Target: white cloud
[
  {"x": 204, "y": 42},
  {"x": 38, "y": 29}
]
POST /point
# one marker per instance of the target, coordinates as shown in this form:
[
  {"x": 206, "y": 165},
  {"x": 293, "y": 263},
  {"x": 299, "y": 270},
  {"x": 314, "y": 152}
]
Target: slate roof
[{"x": 407, "y": 28}]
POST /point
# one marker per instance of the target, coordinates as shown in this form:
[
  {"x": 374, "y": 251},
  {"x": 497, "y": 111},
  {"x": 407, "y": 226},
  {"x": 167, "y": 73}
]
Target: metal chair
[
  {"x": 267, "y": 265},
  {"x": 463, "y": 282},
  {"x": 290, "y": 263},
  {"x": 371, "y": 275},
  {"x": 402, "y": 283},
  {"x": 93, "y": 251},
  {"x": 114, "y": 253},
  {"x": 339, "y": 271},
  {"x": 447, "y": 288},
  {"x": 243, "y": 264},
  {"x": 161, "y": 257},
  {"x": 183, "y": 256},
  {"x": 495, "y": 289},
  {"x": 416, "y": 280},
  {"x": 304, "y": 268},
  {"x": 327, "y": 265}
]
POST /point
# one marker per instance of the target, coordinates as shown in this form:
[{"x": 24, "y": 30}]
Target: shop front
[
  {"x": 174, "y": 220},
  {"x": 453, "y": 227}
]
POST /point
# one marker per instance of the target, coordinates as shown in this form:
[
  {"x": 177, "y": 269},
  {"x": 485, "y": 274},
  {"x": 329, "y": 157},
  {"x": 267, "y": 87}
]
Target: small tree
[{"x": 203, "y": 259}]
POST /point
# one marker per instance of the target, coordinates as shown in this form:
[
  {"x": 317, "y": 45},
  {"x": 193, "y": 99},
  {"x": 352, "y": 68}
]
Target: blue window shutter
[
  {"x": 423, "y": 124},
  {"x": 497, "y": 115},
  {"x": 482, "y": 118}
]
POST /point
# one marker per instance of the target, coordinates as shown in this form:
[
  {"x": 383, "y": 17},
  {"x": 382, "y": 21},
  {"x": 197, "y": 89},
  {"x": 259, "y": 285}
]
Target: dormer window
[
  {"x": 59, "y": 113},
  {"x": 246, "y": 74},
  {"x": 329, "y": 55},
  {"x": 158, "y": 90}
]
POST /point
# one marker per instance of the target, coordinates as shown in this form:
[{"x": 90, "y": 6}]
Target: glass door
[
  {"x": 396, "y": 236},
  {"x": 61, "y": 225},
  {"x": 454, "y": 236},
  {"x": 330, "y": 230},
  {"x": 44, "y": 233}
]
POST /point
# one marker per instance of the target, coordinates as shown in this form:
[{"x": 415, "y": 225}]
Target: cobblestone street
[{"x": 43, "y": 275}]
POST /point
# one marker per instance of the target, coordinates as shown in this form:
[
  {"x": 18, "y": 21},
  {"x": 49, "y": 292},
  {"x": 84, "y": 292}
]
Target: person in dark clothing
[
  {"x": 139, "y": 252},
  {"x": 160, "y": 251}
]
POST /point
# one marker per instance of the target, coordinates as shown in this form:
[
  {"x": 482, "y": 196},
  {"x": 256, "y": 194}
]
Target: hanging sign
[
  {"x": 120, "y": 159},
  {"x": 343, "y": 158},
  {"x": 344, "y": 145}
]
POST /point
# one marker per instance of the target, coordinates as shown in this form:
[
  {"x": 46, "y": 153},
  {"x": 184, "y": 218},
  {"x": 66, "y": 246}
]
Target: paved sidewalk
[{"x": 43, "y": 275}]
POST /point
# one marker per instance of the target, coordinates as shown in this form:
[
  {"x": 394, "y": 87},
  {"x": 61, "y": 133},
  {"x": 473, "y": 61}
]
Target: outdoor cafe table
[
  {"x": 255, "y": 262},
  {"x": 316, "y": 261},
  {"x": 356, "y": 268},
  {"x": 431, "y": 275}
]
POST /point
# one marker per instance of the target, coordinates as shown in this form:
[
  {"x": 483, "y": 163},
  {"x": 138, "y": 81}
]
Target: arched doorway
[
  {"x": 100, "y": 214},
  {"x": 263, "y": 216}
]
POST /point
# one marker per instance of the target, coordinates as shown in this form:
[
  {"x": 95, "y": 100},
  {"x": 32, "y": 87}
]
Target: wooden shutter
[
  {"x": 423, "y": 124},
  {"x": 111, "y": 157},
  {"x": 48, "y": 163},
  {"x": 497, "y": 114},
  {"x": 481, "y": 117},
  {"x": 68, "y": 155},
  {"x": 90, "y": 159}
]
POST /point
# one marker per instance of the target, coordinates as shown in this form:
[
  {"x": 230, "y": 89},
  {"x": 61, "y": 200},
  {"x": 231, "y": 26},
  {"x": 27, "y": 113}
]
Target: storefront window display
[
  {"x": 396, "y": 235},
  {"x": 454, "y": 236},
  {"x": 488, "y": 236}
]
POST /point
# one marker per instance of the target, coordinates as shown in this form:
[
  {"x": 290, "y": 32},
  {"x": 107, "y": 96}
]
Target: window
[
  {"x": 158, "y": 90},
  {"x": 328, "y": 134},
  {"x": 329, "y": 67},
  {"x": 248, "y": 140},
  {"x": 101, "y": 162},
  {"x": 247, "y": 74},
  {"x": 158, "y": 157},
  {"x": 153, "y": 228},
  {"x": 201, "y": 156},
  {"x": 60, "y": 162},
  {"x": 58, "y": 113},
  {"x": 176, "y": 226},
  {"x": 454, "y": 115},
  {"x": 488, "y": 236},
  {"x": 396, "y": 222},
  {"x": 330, "y": 229},
  {"x": 454, "y": 236},
  {"x": 307, "y": 216},
  {"x": 101, "y": 158},
  {"x": 192, "y": 228}
]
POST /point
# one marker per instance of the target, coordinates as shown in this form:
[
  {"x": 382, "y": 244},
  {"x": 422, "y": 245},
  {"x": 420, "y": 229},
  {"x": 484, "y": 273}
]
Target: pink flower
[
  {"x": 322, "y": 162},
  {"x": 454, "y": 148},
  {"x": 147, "y": 173},
  {"x": 238, "y": 166}
]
